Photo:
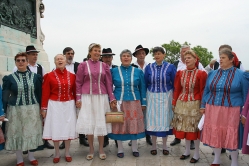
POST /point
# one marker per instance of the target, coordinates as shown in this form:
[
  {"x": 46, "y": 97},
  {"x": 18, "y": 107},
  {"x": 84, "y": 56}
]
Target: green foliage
[
  {"x": 173, "y": 52},
  {"x": 204, "y": 55}
]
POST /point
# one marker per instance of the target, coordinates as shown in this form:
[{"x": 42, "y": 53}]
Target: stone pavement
[{"x": 79, "y": 152}]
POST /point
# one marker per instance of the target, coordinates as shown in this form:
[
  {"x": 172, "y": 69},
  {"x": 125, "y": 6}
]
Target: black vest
[
  {"x": 39, "y": 69},
  {"x": 75, "y": 68}
]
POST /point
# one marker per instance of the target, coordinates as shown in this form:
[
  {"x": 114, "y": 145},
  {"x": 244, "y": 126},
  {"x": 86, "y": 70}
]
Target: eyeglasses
[{"x": 20, "y": 60}]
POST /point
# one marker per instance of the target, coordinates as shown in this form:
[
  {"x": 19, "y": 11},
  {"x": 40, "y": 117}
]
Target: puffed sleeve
[
  {"x": 79, "y": 81},
  {"x": 206, "y": 90},
  {"x": 246, "y": 107},
  {"x": 177, "y": 87},
  {"x": 6, "y": 91},
  {"x": 142, "y": 88},
  {"x": 45, "y": 91},
  {"x": 73, "y": 76},
  {"x": 108, "y": 81},
  {"x": 245, "y": 85},
  {"x": 203, "y": 79},
  {"x": 1, "y": 103},
  {"x": 172, "y": 74},
  {"x": 38, "y": 87},
  {"x": 146, "y": 76}
]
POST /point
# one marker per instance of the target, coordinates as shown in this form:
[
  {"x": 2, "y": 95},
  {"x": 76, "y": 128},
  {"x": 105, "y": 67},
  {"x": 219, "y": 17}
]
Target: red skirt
[{"x": 186, "y": 135}]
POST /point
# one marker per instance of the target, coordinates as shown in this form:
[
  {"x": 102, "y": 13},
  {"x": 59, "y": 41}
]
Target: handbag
[{"x": 114, "y": 117}]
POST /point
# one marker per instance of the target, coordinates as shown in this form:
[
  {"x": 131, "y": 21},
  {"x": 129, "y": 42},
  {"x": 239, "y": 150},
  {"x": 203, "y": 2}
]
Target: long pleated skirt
[
  {"x": 133, "y": 126},
  {"x": 24, "y": 128},
  {"x": 186, "y": 118},
  {"x": 60, "y": 122},
  {"x": 91, "y": 118},
  {"x": 159, "y": 114},
  {"x": 221, "y": 127}
]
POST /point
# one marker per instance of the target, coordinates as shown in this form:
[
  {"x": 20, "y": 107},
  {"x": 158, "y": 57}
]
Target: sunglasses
[{"x": 20, "y": 60}]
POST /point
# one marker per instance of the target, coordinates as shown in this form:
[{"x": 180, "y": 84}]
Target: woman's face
[
  {"x": 190, "y": 61},
  {"x": 225, "y": 62},
  {"x": 21, "y": 63},
  {"x": 159, "y": 57},
  {"x": 126, "y": 59},
  {"x": 95, "y": 53},
  {"x": 60, "y": 62}
]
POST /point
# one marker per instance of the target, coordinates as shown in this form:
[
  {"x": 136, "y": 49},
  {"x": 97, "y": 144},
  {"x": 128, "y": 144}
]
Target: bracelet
[{"x": 44, "y": 110}]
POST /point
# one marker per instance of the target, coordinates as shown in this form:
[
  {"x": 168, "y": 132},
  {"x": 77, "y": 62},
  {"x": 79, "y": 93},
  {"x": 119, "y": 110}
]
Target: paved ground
[{"x": 79, "y": 152}]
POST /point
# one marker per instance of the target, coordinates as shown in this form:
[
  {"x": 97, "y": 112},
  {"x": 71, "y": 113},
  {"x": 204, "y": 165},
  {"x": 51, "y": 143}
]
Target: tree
[
  {"x": 204, "y": 55},
  {"x": 173, "y": 52}
]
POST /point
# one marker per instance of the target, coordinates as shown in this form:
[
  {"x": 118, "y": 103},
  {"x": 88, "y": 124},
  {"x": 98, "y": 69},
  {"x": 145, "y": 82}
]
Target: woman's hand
[
  {"x": 202, "y": 111},
  {"x": 43, "y": 113},
  {"x": 243, "y": 120},
  {"x": 143, "y": 108},
  {"x": 2, "y": 118},
  {"x": 113, "y": 105},
  {"x": 78, "y": 104}
]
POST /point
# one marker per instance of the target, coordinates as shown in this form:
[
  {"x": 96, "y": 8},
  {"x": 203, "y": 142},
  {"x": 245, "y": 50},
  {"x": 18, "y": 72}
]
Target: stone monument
[{"x": 20, "y": 26}]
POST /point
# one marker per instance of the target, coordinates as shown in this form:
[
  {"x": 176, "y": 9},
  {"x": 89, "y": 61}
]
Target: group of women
[{"x": 158, "y": 102}]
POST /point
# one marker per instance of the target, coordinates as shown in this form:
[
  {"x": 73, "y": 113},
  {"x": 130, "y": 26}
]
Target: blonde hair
[
  {"x": 190, "y": 52},
  {"x": 90, "y": 48}
]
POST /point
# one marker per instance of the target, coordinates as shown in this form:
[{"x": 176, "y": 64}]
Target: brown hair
[
  {"x": 190, "y": 52},
  {"x": 227, "y": 52},
  {"x": 225, "y": 46},
  {"x": 21, "y": 54}
]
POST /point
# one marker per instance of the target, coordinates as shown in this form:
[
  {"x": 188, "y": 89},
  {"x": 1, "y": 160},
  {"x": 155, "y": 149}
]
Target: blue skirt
[
  {"x": 125, "y": 137},
  {"x": 160, "y": 133}
]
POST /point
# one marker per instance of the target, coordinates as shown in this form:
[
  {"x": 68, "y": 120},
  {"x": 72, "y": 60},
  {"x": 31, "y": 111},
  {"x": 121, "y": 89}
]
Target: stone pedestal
[{"x": 13, "y": 41}]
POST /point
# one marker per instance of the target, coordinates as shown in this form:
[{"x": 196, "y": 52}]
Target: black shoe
[
  {"x": 25, "y": 152},
  {"x": 129, "y": 143},
  {"x": 192, "y": 145},
  {"x": 223, "y": 150},
  {"x": 148, "y": 140},
  {"x": 106, "y": 141},
  {"x": 175, "y": 141},
  {"x": 116, "y": 143},
  {"x": 82, "y": 140},
  {"x": 48, "y": 145},
  {"x": 62, "y": 146}
]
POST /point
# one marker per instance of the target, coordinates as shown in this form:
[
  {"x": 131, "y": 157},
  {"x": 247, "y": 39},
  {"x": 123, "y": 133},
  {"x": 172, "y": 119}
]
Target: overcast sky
[{"x": 121, "y": 24}]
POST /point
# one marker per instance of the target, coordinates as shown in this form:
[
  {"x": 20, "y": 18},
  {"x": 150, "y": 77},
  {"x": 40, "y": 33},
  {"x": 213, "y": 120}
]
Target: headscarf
[{"x": 235, "y": 60}]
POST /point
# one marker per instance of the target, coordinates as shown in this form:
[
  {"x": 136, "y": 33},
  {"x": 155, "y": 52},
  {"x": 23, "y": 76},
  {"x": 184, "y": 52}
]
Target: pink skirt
[
  {"x": 133, "y": 119},
  {"x": 221, "y": 126}
]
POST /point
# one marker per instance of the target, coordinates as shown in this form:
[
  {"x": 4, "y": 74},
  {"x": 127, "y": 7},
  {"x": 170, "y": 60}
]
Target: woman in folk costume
[
  {"x": 58, "y": 107},
  {"x": 94, "y": 92},
  {"x": 189, "y": 86},
  {"x": 245, "y": 122},
  {"x": 2, "y": 116},
  {"x": 22, "y": 92},
  {"x": 224, "y": 95},
  {"x": 159, "y": 79},
  {"x": 130, "y": 92}
]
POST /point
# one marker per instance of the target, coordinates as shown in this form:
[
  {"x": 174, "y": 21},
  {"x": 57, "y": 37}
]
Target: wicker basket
[{"x": 114, "y": 117}]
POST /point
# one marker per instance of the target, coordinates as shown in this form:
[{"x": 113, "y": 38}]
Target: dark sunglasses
[{"x": 20, "y": 60}]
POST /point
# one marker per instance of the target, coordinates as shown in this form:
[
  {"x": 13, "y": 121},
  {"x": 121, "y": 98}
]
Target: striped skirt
[{"x": 159, "y": 113}]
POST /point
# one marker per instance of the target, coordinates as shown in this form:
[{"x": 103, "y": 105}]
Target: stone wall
[{"x": 13, "y": 41}]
